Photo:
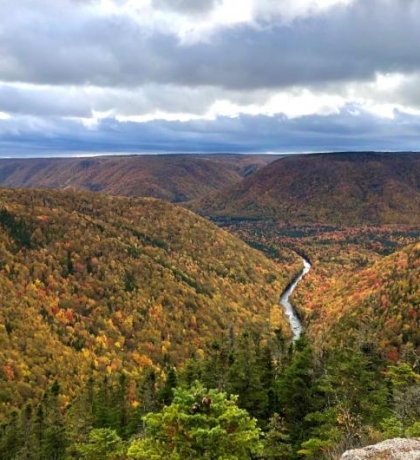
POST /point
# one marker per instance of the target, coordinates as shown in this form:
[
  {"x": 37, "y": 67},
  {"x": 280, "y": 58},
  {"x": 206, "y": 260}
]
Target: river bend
[{"x": 292, "y": 316}]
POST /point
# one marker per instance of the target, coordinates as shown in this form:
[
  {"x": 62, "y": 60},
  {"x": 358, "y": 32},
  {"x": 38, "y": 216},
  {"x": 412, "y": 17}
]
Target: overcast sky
[{"x": 123, "y": 76}]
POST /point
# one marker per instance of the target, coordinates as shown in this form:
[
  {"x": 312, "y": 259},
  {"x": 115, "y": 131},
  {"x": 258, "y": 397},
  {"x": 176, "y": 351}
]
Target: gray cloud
[
  {"x": 348, "y": 44},
  {"x": 244, "y": 134},
  {"x": 187, "y": 6},
  {"x": 76, "y": 60},
  {"x": 79, "y": 101},
  {"x": 38, "y": 102}
]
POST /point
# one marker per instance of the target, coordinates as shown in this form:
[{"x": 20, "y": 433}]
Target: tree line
[{"x": 248, "y": 398}]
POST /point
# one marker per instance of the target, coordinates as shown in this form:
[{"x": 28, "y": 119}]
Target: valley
[
  {"x": 209, "y": 230},
  {"x": 109, "y": 303}
]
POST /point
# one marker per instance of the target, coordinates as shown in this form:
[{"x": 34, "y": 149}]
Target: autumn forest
[{"x": 140, "y": 315}]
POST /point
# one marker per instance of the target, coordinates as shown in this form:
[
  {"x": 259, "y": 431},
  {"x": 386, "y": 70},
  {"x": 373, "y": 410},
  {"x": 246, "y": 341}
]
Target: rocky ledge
[{"x": 392, "y": 449}]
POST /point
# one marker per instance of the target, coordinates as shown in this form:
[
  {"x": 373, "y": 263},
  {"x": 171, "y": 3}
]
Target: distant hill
[
  {"x": 170, "y": 177},
  {"x": 92, "y": 283},
  {"x": 336, "y": 188}
]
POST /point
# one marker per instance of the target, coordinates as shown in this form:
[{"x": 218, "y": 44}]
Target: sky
[{"x": 88, "y": 77}]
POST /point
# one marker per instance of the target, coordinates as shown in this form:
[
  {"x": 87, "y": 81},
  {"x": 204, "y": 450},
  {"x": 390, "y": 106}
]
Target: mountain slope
[
  {"x": 379, "y": 305},
  {"x": 170, "y": 177},
  {"x": 91, "y": 282},
  {"x": 338, "y": 188}
]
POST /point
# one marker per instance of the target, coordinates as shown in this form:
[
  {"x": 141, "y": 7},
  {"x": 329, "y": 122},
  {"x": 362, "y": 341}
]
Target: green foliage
[
  {"x": 17, "y": 228},
  {"x": 166, "y": 393},
  {"x": 294, "y": 390},
  {"x": 413, "y": 431},
  {"x": 277, "y": 439},
  {"x": 199, "y": 424},
  {"x": 319, "y": 406},
  {"x": 313, "y": 448},
  {"x": 245, "y": 377},
  {"x": 391, "y": 428},
  {"x": 103, "y": 444},
  {"x": 11, "y": 437},
  {"x": 402, "y": 375}
]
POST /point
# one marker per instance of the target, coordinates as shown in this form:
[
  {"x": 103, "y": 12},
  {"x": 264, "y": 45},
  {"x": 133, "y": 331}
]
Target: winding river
[{"x": 291, "y": 313}]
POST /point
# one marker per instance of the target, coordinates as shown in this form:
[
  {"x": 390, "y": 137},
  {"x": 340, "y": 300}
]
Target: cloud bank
[{"x": 209, "y": 75}]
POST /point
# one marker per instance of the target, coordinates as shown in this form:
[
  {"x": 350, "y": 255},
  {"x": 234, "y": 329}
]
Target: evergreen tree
[
  {"x": 119, "y": 407},
  {"x": 294, "y": 391},
  {"x": 27, "y": 430},
  {"x": 79, "y": 419},
  {"x": 11, "y": 438},
  {"x": 103, "y": 444},
  {"x": 166, "y": 392},
  {"x": 244, "y": 378},
  {"x": 102, "y": 405},
  {"x": 349, "y": 395},
  {"x": 277, "y": 439},
  {"x": 199, "y": 425},
  {"x": 54, "y": 437},
  {"x": 148, "y": 391},
  {"x": 215, "y": 369}
]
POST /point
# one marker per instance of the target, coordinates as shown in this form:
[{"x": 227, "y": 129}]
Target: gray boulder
[{"x": 392, "y": 449}]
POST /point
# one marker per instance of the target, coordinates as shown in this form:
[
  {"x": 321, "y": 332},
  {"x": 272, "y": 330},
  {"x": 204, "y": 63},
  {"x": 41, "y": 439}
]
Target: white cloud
[
  {"x": 389, "y": 81},
  {"x": 385, "y": 95}
]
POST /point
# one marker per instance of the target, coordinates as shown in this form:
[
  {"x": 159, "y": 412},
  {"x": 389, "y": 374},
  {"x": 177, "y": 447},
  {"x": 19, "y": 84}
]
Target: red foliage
[{"x": 8, "y": 372}]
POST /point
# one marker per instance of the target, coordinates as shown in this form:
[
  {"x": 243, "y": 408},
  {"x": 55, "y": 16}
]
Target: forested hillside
[
  {"x": 359, "y": 382},
  {"x": 338, "y": 188},
  {"x": 91, "y": 283},
  {"x": 378, "y": 306},
  {"x": 126, "y": 323},
  {"x": 363, "y": 286},
  {"x": 170, "y": 177}
]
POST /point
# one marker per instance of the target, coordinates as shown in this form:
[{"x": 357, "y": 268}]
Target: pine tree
[
  {"x": 102, "y": 444},
  {"x": 27, "y": 431},
  {"x": 244, "y": 378},
  {"x": 147, "y": 392},
  {"x": 11, "y": 438},
  {"x": 199, "y": 425},
  {"x": 166, "y": 392},
  {"x": 294, "y": 391},
  {"x": 54, "y": 437}
]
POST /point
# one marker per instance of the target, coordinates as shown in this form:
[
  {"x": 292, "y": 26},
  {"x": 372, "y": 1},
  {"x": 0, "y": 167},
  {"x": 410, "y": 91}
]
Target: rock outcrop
[{"x": 392, "y": 449}]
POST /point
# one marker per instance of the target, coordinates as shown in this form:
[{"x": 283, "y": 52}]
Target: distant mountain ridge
[
  {"x": 174, "y": 177},
  {"x": 337, "y": 188}
]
